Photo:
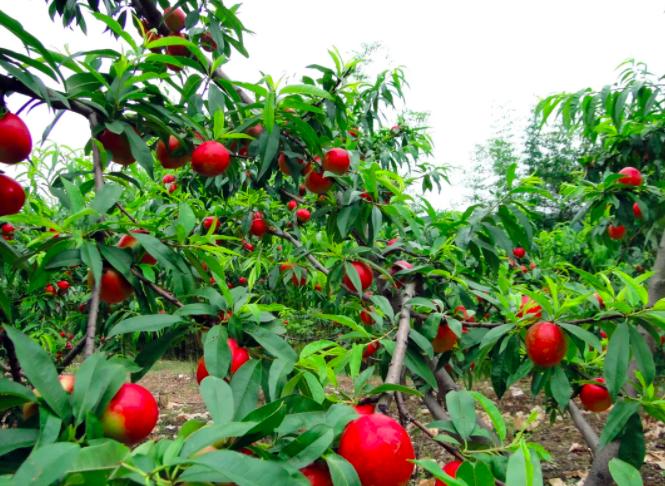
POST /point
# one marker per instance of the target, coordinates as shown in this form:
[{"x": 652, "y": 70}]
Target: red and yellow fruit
[{"x": 131, "y": 415}]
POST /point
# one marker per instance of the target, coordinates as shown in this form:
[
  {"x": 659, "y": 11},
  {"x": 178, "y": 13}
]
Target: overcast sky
[{"x": 467, "y": 62}]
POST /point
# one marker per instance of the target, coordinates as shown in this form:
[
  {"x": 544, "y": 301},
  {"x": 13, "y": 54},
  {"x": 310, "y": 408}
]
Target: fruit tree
[{"x": 229, "y": 217}]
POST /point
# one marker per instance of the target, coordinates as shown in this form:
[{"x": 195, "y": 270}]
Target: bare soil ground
[{"x": 174, "y": 384}]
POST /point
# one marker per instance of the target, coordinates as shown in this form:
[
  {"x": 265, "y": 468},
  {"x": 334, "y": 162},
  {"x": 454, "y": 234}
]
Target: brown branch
[
  {"x": 12, "y": 360},
  {"x": 590, "y": 436},
  {"x": 401, "y": 340},
  {"x": 295, "y": 242},
  {"x": 399, "y": 399},
  {"x": 93, "y": 311},
  {"x": 9, "y": 84},
  {"x": 157, "y": 289},
  {"x": 124, "y": 211},
  {"x": 73, "y": 353}
]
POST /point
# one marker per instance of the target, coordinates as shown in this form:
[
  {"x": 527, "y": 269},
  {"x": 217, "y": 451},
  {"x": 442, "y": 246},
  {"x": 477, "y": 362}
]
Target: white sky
[{"x": 466, "y": 61}]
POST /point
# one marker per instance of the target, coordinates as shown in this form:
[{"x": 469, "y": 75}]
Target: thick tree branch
[
  {"x": 93, "y": 311},
  {"x": 9, "y": 84},
  {"x": 589, "y": 435},
  {"x": 401, "y": 340}
]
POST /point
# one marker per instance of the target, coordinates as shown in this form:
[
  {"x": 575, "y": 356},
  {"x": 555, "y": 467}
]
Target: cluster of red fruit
[
  {"x": 15, "y": 146},
  {"x": 519, "y": 253},
  {"x": 62, "y": 288},
  {"x": 336, "y": 160},
  {"x": 7, "y": 230},
  {"x": 630, "y": 177}
]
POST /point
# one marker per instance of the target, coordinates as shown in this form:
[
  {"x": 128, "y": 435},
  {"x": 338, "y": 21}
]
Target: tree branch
[
  {"x": 93, "y": 312},
  {"x": 157, "y": 289},
  {"x": 401, "y": 340},
  {"x": 9, "y": 84},
  {"x": 295, "y": 242},
  {"x": 589, "y": 435},
  {"x": 12, "y": 360},
  {"x": 69, "y": 357}
]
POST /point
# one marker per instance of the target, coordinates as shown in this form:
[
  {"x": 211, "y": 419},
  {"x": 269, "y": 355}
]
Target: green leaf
[
  {"x": 139, "y": 150},
  {"x": 104, "y": 454},
  {"x": 306, "y": 89},
  {"x": 92, "y": 259},
  {"x": 389, "y": 387},
  {"x": 617, "y": 360},
  {"x": 624, "y": 474},
  {"x": 12, "y": 439},
  {"x": 643, "y": 355},
  {"x": 218, "y": 397},
  {"x": 216, "y": 352},
  {"x": 47, "y": 464},
  {"x": 210, "y": 434},
  {"x": 345, "y": 321},
  {"x": 13, "y": 394},
  {"x": 616, "y": 420},
  {"x": 40, "y": 371},
  {"x": 95, "y": 379},
  {"x": 560, "y": 387},
  {"x": 148, "y": 323},
  {"x": 435, "y": 470},
  {"x": 309, "y": 445},
  {"x": 494, "y": 334},
  {"x": 106, "y": 197},
  {"x": 245, "y": 385},
  {"x": 341, "y": 470},
  {"x": 162, "y": 253},
  {"x": 460, "y": 406},
  {"x": 272, "y": 343},
  {"x": 589, "y": 338},
  {"x": 244, "y": 470},
  {"x": 493, "y": 413}
]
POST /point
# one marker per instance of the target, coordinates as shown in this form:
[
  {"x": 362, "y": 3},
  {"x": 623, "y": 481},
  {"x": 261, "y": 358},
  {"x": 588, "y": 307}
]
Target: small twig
[
  {"x": 399, "y": 399},
  {"x": 124, "y": 211},
  {"x": 590, "y": 436},
  {"x": 157, "y": 289},
  {"x": 298, "y": 199},
  {"x": 69, "y": 357},
  {"x": 12, "y": 360},
  {"x": 295, "y": 242}
]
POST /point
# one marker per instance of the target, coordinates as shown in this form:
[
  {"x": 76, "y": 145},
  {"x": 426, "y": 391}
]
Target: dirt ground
[{"x": 174, "y": 384}]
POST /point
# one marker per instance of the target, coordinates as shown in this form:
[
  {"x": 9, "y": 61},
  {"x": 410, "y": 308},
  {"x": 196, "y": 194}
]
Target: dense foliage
[{"x": 283, "y": 232}]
